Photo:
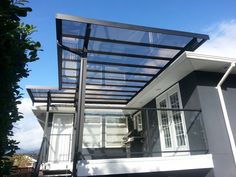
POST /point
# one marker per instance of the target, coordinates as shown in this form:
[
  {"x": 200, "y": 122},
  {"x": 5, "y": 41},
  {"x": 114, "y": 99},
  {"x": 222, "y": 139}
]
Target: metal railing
[
  {"x": 120, "y": 132},
  {"x": 161, "y": 132},
  {"x": 55, "y": 148},
  {"x": 59, "y": 149},
  {"x": 41, "y": 156}
]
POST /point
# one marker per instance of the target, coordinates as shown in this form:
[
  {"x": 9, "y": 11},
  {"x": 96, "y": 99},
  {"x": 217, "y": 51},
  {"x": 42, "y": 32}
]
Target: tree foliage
[
  {"x": 16, "y": 50},
  {"x": 21, "y": 160}
]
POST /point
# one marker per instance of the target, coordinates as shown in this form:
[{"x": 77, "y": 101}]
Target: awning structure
[
  {"x": 121, "y": 59},
  {"x": 42, "y": 94}
]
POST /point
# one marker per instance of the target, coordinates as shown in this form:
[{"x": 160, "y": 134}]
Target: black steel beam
[
  {"x": 115, "y": 79},
  {"x": 142, "y": 44},
  {"x": 59, "y": 50},
  {"x": 71, "y": 69},
  {"x": 111, "y": 72},
  {"x": 129, "y": 55},
  {"x": 124, "y": 64},
  {"x": 102, "y": 94},
  {"x": 115, "y": 64},
  {"x": 70, "y": 49},
  {"x": 78, "y": 52},
  {"x": 120, "y": 72},
  {"x": 142, "y": 108},
  {"x": 54, "y": 101},
  {"x": 108, "y": 79},
  {"x": 104, "y": 102},
  {"x": 70, "y": 83},
  {"x": 68, "y": 76},
  {"x": 54, "y": 97},
  {"x": 88, "y": 98},
  {"x": 86, "y": 40},
  {"x": 54, "y": 93},
  {"x": 70, "y": 60},
  {"x": 112, "y": 85},
  {"x": 112, "y": 90},
  {"x": 49, "y": 100}
]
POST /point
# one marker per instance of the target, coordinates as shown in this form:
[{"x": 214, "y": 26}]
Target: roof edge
[
  {"x": 129, "y": 26},
  {"x": 202, "y": 56}
]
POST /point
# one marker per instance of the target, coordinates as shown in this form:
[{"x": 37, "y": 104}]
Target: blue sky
[
  {"x": 214, "y": 17},
  {"x": 195, "y": 16}
]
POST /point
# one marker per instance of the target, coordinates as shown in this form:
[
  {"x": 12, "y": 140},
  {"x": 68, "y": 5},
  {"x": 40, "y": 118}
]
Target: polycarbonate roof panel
[
  {"x": 39, "y": 94},
  {"x": 122, "y": 59}
]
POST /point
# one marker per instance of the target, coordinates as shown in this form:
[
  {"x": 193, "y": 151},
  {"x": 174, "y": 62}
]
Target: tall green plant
[{"x": 17, "y": 49}]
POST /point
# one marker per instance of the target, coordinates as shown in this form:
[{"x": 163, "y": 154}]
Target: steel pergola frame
[
  {"x": 106, "y": 68},
  {"x": 131, "y": 77}
]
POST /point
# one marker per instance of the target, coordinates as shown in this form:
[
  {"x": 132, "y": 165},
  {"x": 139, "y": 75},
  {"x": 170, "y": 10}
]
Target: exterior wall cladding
[{"x": 198, "y": 92}]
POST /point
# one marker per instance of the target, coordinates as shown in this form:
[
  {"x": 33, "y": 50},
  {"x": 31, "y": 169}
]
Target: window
[
  {"x": 173, "y": 134},
  {"x": 138, "y": 123},
  {"x": 92, "y": 136},
  {"x": 116, "y": 129},
  {"x": 104, "y": 131}
]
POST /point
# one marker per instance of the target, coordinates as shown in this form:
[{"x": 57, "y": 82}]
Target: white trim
[
  {"x": 41, "y": 87},
  {"x": 174, "y": 147},
  {"x": 55, "y": 149},
  {"x": 136, "y": 122},
  {"x": 143, "y": 165},
  {"x": 198, "y": 56},
  {"x": 93, "y": 145},
  {"x": 116, "y": 124},
  {"x": 57, "y": 166}
]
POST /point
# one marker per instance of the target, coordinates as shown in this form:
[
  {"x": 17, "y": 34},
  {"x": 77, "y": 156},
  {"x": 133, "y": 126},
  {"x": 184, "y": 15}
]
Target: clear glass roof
[
  {"x": 40, "y": 94},
  {"x": 121, "y": 59}
]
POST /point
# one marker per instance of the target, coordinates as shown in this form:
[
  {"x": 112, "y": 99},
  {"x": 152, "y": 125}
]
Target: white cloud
[
  {"x": 222, "y": 40},
  {"x": 28, "y": 131}
]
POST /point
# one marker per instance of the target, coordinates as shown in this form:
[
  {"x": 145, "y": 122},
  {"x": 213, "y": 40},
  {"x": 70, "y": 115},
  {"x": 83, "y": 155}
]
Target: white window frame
[
  {"x": 100, "y": 131},
  {"x": 119, "y": 124},
  {"x": 166, "y": 96},
  {"x": 52, "y": 156},
  {"x": 138, "y": 125}
]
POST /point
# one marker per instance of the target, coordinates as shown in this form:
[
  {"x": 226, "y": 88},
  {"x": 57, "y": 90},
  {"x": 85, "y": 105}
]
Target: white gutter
[{"x": 225, "y": 113}]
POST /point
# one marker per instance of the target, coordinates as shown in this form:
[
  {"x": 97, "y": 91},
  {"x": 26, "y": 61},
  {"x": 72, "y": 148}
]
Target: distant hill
[{"x": 32, "y": 153}]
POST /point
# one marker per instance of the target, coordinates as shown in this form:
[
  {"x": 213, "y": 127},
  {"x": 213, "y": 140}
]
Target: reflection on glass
[
  {"x": 138, "y": 36},
  {"x": 74, "y": 28},
  {"x": 131, "y": 49}
]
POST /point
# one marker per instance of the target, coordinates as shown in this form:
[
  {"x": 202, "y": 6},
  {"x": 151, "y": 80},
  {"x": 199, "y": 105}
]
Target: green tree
[{"x": 17, "y": 49}]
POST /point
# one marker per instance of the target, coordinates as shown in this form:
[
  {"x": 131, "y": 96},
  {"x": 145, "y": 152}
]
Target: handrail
[
  {"x": 40, "y": 158},
  {"x": 147, "y": 152},
  {"x": 137, "y": 108},
  {"x": 42, "y": 155},
  {"x": 147, "y": 133},
  {"x": 58, "y": 135}
]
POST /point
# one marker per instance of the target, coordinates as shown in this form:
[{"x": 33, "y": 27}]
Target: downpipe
[{"x": 225, "y": 112}]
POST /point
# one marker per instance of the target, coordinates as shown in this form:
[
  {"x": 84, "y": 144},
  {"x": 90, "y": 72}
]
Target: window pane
[
  {"x": 165, "y": 124},
  {"x": 92, "y": 132},
  {"x": 116, "y": 129},
  {"x": 177, "y": 120}
]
